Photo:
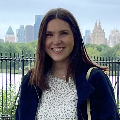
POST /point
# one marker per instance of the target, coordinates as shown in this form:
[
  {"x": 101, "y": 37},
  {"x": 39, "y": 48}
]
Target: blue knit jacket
[{"x": 98, "y": 89}]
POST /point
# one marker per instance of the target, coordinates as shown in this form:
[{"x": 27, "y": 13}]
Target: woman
[{"x": 56, "y": 88}]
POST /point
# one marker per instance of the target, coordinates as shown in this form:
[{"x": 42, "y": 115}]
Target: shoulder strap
[
  {"x": 88, "y": 109},
  {"x": 89, "y": 71},
  {"x": 88, "y": 100}
]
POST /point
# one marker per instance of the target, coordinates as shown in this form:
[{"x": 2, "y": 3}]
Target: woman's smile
[{"x": 58, "y": 49}]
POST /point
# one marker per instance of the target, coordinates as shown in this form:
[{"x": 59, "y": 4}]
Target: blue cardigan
[{"x": 98, "y": 89}]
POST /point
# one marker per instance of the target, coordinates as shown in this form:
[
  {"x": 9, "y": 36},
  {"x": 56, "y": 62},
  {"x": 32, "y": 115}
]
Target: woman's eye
[
  {"x": 49, "y": 35},
  {"x": 64, "y": 33}
]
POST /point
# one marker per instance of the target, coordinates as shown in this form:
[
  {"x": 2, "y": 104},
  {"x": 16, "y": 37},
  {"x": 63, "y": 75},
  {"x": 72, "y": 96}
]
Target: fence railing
[{"x": 13, "y": 67}]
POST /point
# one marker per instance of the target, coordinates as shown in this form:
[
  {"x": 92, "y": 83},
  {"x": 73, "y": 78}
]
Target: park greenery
[
  {"x": 103, "y": 50},
  {"x": 17, "y": 48},
  {"x": 12, "y": 53},
  {"x": 7, "y": 100},
  {"x": 15, "y": 52},
  {"x": 30, "y": 48}
]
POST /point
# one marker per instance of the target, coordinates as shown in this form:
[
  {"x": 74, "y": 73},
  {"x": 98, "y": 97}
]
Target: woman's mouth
[{"x": 57, "y": 49}]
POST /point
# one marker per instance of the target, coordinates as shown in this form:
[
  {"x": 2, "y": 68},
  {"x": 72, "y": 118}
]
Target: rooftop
[{"x": 10, "y": 31}]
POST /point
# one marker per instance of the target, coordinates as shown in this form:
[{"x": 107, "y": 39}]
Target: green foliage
[
  {"x": 7, "y": 99},
  {"x": 18, "y": 48},
  {"x": 11, "y": 49},
  {"x": 14, "y": 50},
  {"x": 103, "y": 50},
  {"x": 92, "y": 51},
  {"x": 26, "y": 48},
  {"x": 30, "y": 48},
  {"x": 106, "y": 53},
  {"x": 33, "y": 44},
  {"x": 118, "y": 53},
  {"x": 2, "y": 47},
  {"x": 116, "y": 50}
]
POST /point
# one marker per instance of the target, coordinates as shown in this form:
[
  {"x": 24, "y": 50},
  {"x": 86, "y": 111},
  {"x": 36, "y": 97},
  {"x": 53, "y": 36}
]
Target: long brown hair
[{"x": 78, "y": 57}]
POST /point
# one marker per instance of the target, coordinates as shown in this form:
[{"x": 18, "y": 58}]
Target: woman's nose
[{"x": 56, "y": 40}]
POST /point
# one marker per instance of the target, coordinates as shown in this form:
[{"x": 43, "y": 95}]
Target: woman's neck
[{"x": 59, "y": 69}]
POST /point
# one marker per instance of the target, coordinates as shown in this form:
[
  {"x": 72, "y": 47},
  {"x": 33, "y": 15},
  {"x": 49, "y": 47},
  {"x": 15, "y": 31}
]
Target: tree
[
  {"x": 33, "y": 44},
  {"x": 99, "y": 50},
  {"x": 26, "y": 48},
  {"x": 2, "y": 47},
  {"x": 116, "y": 50},
  {"x": 92, "y": 51}
]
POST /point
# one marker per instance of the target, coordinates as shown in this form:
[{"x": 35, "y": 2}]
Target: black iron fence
[{"x": 13, "y": 67}]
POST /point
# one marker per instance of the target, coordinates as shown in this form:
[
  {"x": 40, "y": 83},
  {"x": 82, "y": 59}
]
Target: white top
[{"x": 59, "y": 102}]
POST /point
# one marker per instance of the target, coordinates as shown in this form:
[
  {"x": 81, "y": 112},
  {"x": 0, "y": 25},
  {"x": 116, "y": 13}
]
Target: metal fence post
[
  {"x": 22, "y": 60},
  {"x": 2, "y": 79},
  {"x": 118, "y": 86}
]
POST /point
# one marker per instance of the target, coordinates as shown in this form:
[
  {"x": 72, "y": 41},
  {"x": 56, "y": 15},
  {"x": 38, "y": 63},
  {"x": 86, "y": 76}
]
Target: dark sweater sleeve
[
  {"x": 105, "y": 108},
  {"x": 24, "y": 83}
]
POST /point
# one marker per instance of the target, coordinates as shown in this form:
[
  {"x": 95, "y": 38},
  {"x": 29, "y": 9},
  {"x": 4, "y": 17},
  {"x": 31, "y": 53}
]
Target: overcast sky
[{"x": 22, "y": 12}]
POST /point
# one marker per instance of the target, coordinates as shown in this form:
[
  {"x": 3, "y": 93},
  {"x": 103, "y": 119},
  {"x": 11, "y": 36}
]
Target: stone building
[
  {"x": 114, "y": 38},
  {"x": 98, "y": 35}
]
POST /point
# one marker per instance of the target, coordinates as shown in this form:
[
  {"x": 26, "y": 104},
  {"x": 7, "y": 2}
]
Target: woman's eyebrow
[
  {"x": 65, "y": 30},
  {"x": 49, "y": 32}
]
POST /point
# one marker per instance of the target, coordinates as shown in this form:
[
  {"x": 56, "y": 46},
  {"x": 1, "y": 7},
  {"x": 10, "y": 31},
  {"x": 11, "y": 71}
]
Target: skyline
[{"x": 15, "y": 13}]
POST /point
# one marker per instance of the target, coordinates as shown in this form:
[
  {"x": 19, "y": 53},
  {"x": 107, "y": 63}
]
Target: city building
[
  {"x": 20, "y": 34},
  {"x": 38, "y": 19},
  {"x": 84, "y": 39},
  {"x": 1, "y": 40},
  {"x": 10, "y": 37},
  {"x": 98, "y": 35},
  {"x": 87, "y": 36},
  {"x": 114, "y": 38},
  {"x": 29, "y": 33}
]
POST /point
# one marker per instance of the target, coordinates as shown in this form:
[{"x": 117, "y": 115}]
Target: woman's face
[{"x": 59, "y": 40}]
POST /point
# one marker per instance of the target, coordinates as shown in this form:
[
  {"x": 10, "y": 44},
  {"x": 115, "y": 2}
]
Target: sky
[{"x": 22, "y": 12}]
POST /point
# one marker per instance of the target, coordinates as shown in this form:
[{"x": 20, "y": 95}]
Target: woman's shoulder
[
  {"x": 26, "y": 78},
  {"x": 26, "y": 87},
  {"x": 98, "y": 72},
  {"x": 101, "y": 80}
]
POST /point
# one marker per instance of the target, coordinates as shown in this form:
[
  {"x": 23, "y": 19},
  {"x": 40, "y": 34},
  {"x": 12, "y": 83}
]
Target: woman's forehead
[{"x": 57, "y": 24}]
